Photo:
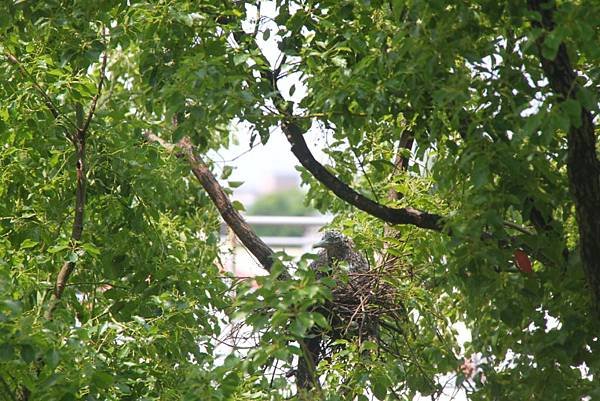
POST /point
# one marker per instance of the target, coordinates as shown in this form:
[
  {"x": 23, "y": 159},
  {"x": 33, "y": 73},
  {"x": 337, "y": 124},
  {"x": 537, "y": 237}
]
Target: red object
[{"x": 522, "y": 261}]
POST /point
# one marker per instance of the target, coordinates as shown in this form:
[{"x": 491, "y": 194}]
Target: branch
[
  {"x": 47, "y": 100},
  {"x": 78, "y": 139},
  {"x": 407, "y": 215},
  {"x": 582, "y": 161},
  {"x": 418, "y": 218},
  {"x": 401, "y": 162},
  {"x": 90, "y": 114},
  {"x": 295, "y": 137},
  {"x": 232, "y": 217},
  {"x": 77, "y": 230}
]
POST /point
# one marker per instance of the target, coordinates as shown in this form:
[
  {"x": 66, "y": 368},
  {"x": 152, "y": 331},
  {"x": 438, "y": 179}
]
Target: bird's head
[{"x": 331, "y": 240}]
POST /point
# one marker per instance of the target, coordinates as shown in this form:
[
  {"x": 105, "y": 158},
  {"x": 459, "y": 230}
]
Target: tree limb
[
  {"x": 295, "y": 137},
  {"x": 232, "y": 217},
  {"x": 406, "y": 215},
  {"x": 400, "y": 161},
  {"x": 582, "y": 160},
  {"x": 78, "y": 138}
]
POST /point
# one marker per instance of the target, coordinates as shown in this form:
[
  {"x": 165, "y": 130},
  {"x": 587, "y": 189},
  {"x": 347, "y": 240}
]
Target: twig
[
  {"x": 47, "y": 100},
  {"x": 92, "y": 109},
  {"x": 518, "y": 228}
]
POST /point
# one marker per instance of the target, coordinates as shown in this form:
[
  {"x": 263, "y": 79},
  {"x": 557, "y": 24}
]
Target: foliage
[{"x": 146, "y": 309}]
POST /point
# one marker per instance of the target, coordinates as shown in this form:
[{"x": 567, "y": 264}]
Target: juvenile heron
[{"x": 338, "y": 248}]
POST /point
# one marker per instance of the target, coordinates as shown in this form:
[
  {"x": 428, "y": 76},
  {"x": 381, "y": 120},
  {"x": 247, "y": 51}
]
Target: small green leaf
[
  {"x": 28, "y": 243},
  {"x": 227, "y": 170},
  {"x": 240, "y": 58},
  {"x": 481, "y": 175},
  {"x": 7, "y": 352},
  {"x": 379, "y": 385},
  {"x": 102, "y": 379},
  {"x": 123, "y": 388},
  {"x": 57, "y": 248},
  {"x": 551, "y": 44},
  {"x": 572, "y": 109},
  {"x": 91, "y": 249},
  {"x": 52, "y": 358},
  {"x": 237, "y": 205},
  {"x": 235, "y": 184},
  {"x": 320, "y": 320},
  {"x": 27, "y": 353},
  {"x": 72, "y": 257}
]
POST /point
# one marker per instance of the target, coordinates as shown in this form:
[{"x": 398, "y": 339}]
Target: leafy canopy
[{"x": 146, "y": 310}]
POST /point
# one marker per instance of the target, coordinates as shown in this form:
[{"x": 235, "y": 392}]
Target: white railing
[
  {"x": 312, "y": 224},
  {"x": 239, "y": 260},
  {"x": 306, "y": 221}
]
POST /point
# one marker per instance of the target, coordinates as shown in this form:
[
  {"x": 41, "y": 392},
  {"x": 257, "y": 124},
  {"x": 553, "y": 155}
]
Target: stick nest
[{"x": 359, "y": 302}]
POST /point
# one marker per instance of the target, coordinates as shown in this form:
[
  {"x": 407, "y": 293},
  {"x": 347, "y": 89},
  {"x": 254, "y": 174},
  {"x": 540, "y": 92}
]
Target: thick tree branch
[
  {"x": 295, "y": 137},
  {"x": 232, "y": 217},
  {"x": 407, "y": 215},
  {"x": 78, "y": 138},
  {"x": 582, "y": 160}
]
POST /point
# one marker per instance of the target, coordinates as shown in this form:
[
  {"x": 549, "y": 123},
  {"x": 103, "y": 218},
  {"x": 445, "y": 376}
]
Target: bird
[{"x": 338, "y": 248}]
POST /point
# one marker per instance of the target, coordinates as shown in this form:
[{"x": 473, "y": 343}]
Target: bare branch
[
  {"x": 232, "y": 217},
  {"x": 407, "y": 215}
]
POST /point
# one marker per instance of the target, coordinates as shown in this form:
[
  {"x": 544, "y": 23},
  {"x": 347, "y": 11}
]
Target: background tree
[
  {"x": 109, "y": 284},
  {"x": 288, "y": 202}
]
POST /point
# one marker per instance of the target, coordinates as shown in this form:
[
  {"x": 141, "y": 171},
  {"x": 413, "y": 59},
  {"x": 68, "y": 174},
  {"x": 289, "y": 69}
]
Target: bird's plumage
[{"x": 338, "y": 248}]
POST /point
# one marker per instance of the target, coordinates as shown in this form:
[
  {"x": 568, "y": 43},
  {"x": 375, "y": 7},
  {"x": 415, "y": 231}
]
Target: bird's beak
[{"x": 320, "y": 244}]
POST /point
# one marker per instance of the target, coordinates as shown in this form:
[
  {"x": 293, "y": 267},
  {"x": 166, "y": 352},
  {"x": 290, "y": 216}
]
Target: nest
[{"x": 360, "y": 302}]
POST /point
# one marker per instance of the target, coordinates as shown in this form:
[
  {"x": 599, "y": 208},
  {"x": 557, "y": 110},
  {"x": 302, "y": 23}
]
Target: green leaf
[
  {"x": 52, "y": 358},
  {"x": 301, "y": 324},
  {"x": 7, "y": 352},
  {"x": 320, "y": 320},
  {"x": 481, "y": 174},
  {"x": 240, "y": 58},
  {"x": 235, "y": 184},
  {"x": 379, "y": 386},
  {"x": 551, "y": 44},
  {"x": 72, "y": 257},
  {"x": 102, "y": 379},
  {"x": 58, "y": 248},
  {"x": 28, "y": 243},
  {"x": 227, "y": 170},
  {"x": 237, "y": 205},
  {"x": 91, "y": 249},
  {"x": 27, "y": 353}
]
